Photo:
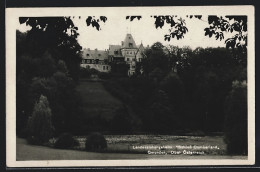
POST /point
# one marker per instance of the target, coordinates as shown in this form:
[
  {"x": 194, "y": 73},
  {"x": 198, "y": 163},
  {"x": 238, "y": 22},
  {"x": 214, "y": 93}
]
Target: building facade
[
  {"x": 97, "y": 59},
  {"x": 128, "y": 52}
]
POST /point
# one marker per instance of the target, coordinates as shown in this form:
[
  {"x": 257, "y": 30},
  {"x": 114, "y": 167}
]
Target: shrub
[
  {"x": 119, "y": 69},
  {"x": 236, "y": 119},
  {"x": 40, "y": 128},
  {"x": 95, "y": 142},
  {"x": 156, "y": 75},
  {"x": 34, "y": 140},
  {"x": 23, "y": 133},
  {"x": 84, "y": 72},
  {"x": 66, "y": 140},
  {"x": 104, "y": 75},
  {"x": 87, "y": 72}
]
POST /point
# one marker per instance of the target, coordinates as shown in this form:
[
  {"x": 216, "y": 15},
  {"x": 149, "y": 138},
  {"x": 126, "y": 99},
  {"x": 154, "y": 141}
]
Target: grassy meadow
[{"x": 96, "y": 100}]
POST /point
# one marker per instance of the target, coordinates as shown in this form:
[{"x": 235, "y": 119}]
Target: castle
[{"x": 128, "y": 52}]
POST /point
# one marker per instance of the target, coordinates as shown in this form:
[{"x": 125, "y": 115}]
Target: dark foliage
[
  {"x": 122, "y": 122},
  {"x": 174, "y": 88},
  {"x": 104, "y": 75},
  {"x": 34, "y": 140},
  {"x": 95, "y": 142},
  {"x": 177, "y": 26},
  {"x": 39, "y": 126},
  {"x": 51, "y": 75},
  {"x": 58, "y": 36},
  {"x": 94, "y": 22},
  {"x": 236, "y": 119},
  {"x": 186, "y": 91},
  {"x": 66, "y": 140},
  {"x": 156, "y": 60},
  {"x": 219, "y": 25},
  {"x": 88, "y": 72},
  {"x": 160, "y": 117},
  {"x": 119, "y": 69},
  {"x": 131, "y": 18}
]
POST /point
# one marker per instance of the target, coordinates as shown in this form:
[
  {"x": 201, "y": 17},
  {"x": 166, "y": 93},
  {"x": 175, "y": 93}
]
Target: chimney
[
  {"x": 122, "y": 43},
  {"x": 88, "y": 49},
  {"x": 95, "y": 49}
]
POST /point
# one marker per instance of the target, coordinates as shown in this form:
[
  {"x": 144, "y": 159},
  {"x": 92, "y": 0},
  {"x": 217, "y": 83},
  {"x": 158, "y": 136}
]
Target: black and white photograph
[{"x": 130, "y": 86}]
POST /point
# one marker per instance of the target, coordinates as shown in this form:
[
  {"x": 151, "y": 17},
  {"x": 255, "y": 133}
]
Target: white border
[{"x": 12, "y": 15}]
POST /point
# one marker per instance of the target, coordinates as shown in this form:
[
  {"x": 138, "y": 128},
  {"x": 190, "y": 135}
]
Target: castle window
[
  {"x": 129, "y": 37},
  {"x": 99, "y": 55},
  {"x": 130, "y": 52},
  {"x": 88, "y": 61},
  {"x": 127, "y": 52},
  {"x": 130, "y": 45},
  {"x": 87, "y": 54},
  {"x": 107, "y": 67},
  {"x": 127, "y": 59},
  {"x": 116, "y": 52},
  {"x": 104, "y": 67}
]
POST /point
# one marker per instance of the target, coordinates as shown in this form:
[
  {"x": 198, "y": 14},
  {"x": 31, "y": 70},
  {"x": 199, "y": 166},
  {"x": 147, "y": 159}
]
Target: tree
[
  {"x": 95, "y": 142},
  {"x": 236, "y": 119},
  {"x": 155, "y": 59},
  {"x": 50, "y": 49},
  {"x": 122, "y": 121},
  {"x": 207, "y": 81},
  {"x": 40, "y": 123},
  {"x": 238, "y": 24},
  {"x": 173, "y": 86},
  {"x": 58, "y": 36},
  {"x": 160, "y": 115},
  {"x": 179, "y": 58},
  {"x": 217, "y": 26}
]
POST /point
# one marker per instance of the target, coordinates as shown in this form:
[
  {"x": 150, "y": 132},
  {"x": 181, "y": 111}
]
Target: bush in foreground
[
  {"x": 95, "y": 142},
  {"x": 66, "y": 140}
]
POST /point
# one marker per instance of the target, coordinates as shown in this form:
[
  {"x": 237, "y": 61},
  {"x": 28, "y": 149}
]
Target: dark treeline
[{"x": 181, "y": 89}]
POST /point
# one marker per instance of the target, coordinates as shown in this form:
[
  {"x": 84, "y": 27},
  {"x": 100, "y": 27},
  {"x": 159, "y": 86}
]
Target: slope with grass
[{"x": 97, "y": 101}]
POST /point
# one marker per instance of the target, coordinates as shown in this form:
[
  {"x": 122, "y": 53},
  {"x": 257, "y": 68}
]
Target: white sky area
[{"x": 114, "y": 30}]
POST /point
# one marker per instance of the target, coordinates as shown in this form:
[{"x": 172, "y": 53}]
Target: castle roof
[
  {"x": 115, "y": 48},
  {"x": 94, "y": 54},
  {"x": 129, "y": 42},
  {"x": 141, "y": 47}
]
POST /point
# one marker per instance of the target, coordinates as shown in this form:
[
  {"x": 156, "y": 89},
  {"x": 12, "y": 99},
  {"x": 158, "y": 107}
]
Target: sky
[{"x": 114, "y": 30}]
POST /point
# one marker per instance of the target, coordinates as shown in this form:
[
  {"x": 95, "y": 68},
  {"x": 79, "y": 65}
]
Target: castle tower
[{"x": 129, "y": 48}]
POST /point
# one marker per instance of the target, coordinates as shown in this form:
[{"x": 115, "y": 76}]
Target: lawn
[
  {"x": 208, "y": 145},
  {"x": 121, "y": 143},
  {"x": 96, "y": 100}
]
